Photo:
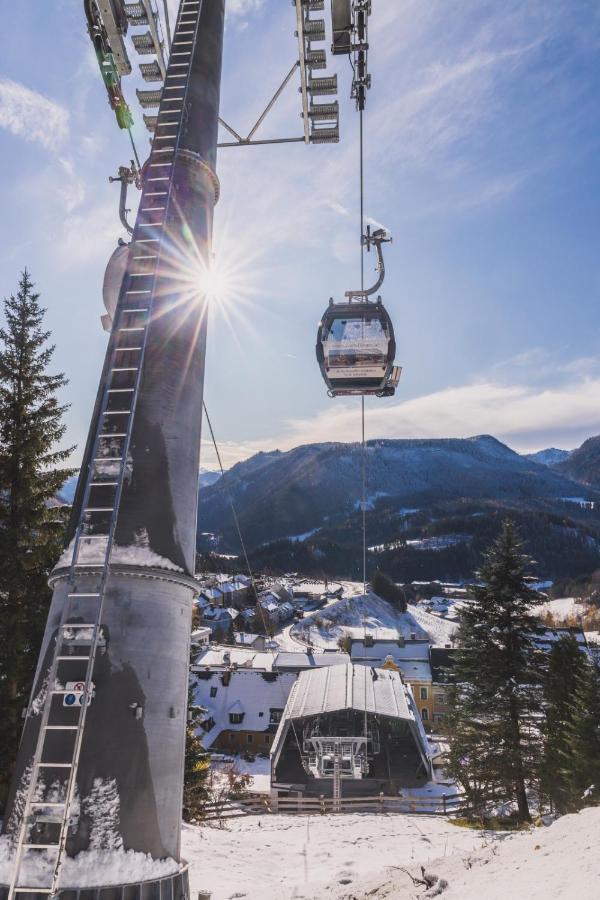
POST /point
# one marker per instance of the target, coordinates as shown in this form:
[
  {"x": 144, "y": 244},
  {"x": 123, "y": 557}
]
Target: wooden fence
[{"x": 261, "y": 804}]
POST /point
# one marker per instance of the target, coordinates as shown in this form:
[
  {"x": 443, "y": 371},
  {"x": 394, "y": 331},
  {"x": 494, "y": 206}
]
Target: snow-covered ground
[
  {"x": 561, "y": 608},
  {"x": 259, "y": 769},
  {"x": 558, "y": 862},
  {"x": 368, "y": 857},
  {"x": 351, "y": 616},
  {"x": 280, "y": 857}
]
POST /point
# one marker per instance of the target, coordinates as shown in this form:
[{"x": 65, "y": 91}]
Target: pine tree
[
  {"x": 495, "y": 704},
  {"x": 566, "y": 667},
  {"x": 31, "y": 527},
  {"x": 197, "y": 762},
  {"x": 583, "y": 766}
]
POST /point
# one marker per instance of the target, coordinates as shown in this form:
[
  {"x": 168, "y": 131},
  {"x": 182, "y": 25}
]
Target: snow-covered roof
[
  {"x": 244, "y": 639},
  {"x": 247, "y": 692},
  {"x": 201, "y": 633},
  {"x": 229, "y": 588},
  {"x": 296, "y": 661},
  {"x": 224, "y": 657},
  {"x": 335, "y": 688},
  {"x": 212, "y": 594},
  {"x": 269, "y": 606},
  {"x": 417, "y": 650},
  {"x": 216, "y": 614},
  {"x": 413, "y": 670},
  {"x": 244, "y": 580}
]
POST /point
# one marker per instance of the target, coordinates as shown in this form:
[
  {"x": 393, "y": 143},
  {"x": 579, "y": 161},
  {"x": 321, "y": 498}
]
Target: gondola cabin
[{"x": 356, "y": 349}]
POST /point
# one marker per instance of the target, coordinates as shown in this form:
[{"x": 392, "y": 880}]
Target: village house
[
  {"x": 241, "y": 708},
  {"x": 442, "y": 661},
  {"x": 409, "y": 657},
  {"x": 201, "y": 637},
  {"x": 211, "y": 596},
  {"x": 247, "y": 639},
  {"x": 218, "y": 619}
]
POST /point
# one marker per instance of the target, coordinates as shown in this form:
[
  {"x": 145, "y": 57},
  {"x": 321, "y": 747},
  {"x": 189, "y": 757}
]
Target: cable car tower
[{"x": 101, "y": 758}]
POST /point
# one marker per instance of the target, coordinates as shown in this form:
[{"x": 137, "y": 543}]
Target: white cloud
[
  {"x": 32, "y": 116},
  {"x": 243, "y": 7},
  {"x": 520, "y": 415},
  {"x": 88, "y": 235}
]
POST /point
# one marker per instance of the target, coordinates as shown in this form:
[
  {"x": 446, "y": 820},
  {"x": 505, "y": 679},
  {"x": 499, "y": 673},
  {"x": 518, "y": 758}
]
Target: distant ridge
[{"x": 552, "y": 456}]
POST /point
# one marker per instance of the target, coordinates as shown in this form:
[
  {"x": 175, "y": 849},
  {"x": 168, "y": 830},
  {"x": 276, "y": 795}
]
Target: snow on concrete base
[
  {"x": 88, "y": 869},
  {"x": 92, "y": 552}
]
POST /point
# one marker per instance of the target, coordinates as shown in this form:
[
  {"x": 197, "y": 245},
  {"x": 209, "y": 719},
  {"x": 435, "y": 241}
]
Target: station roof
[
  {"x": 325, "y": 690},
  {"x": 295, "y": 661}
]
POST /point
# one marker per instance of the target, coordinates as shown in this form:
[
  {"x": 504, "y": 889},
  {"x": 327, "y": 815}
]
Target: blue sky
[{"x": 482, "y": 158}]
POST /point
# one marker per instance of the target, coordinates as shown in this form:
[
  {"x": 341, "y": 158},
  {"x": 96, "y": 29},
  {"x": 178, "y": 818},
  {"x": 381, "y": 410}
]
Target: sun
[{"x": 216, "y": 282}]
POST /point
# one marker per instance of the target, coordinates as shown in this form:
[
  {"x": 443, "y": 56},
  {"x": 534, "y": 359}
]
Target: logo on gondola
[{"x": 75, "y": 691}]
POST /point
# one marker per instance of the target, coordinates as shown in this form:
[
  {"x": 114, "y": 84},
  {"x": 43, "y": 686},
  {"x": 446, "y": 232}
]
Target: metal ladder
[
  {"x": 337, "y": 776},
  {"x": 78, "y": 643}
]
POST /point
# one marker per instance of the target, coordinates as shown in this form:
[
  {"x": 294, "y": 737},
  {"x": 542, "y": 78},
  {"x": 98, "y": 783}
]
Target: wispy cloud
[
  {"x": 31, "y": 116},
  {"x": 524, "y": 417},
  {"x": 243, "y": 7}
]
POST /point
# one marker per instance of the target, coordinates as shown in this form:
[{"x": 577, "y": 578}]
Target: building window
[
  {"x": 213, "y": 692},
  {"x": 267, "y": 738},
  {"x": 249, "y": 738},
  {"x": 423, "y": 691},
  {"x": 441, "y": 699},
  {"x": 275, "y": 716},
  {"x": 425, "y": 714},
  {"x": 438, "y": 717},
  {"x": 236, "y": 718}
]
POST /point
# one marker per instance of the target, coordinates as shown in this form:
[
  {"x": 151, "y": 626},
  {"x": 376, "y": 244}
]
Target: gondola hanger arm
[{"x": 375, "y": 238}]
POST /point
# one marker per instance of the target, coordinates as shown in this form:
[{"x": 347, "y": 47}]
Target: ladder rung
[
  {"x": 98, "y": 509},
  {"x": 82, "y": 594},
  {"x": 81, "y": 624},
  {"x": 40, "y": 846},
  {"x": 104, "y": 483},
  {"x": 64, "y": 727},
  {"x": 62, "y": 658},
  {"x": 47, "y": 803},
  {"x": 32, "y": 890},
  {"x": 48, "y": 765}
]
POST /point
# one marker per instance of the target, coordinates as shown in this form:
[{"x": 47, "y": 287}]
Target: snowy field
[
  {"x": 312, "y": 857},
  {"x": 351, "y": 616},
  {"x": 363, "y": 857},
  {"x": 561, "y": 608}
]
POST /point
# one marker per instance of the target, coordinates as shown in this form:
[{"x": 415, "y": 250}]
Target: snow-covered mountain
[
  {"x": 583, "y": 464},
  {"x": 549, "y": 457},
  {"x": 280, "y": 494}
]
